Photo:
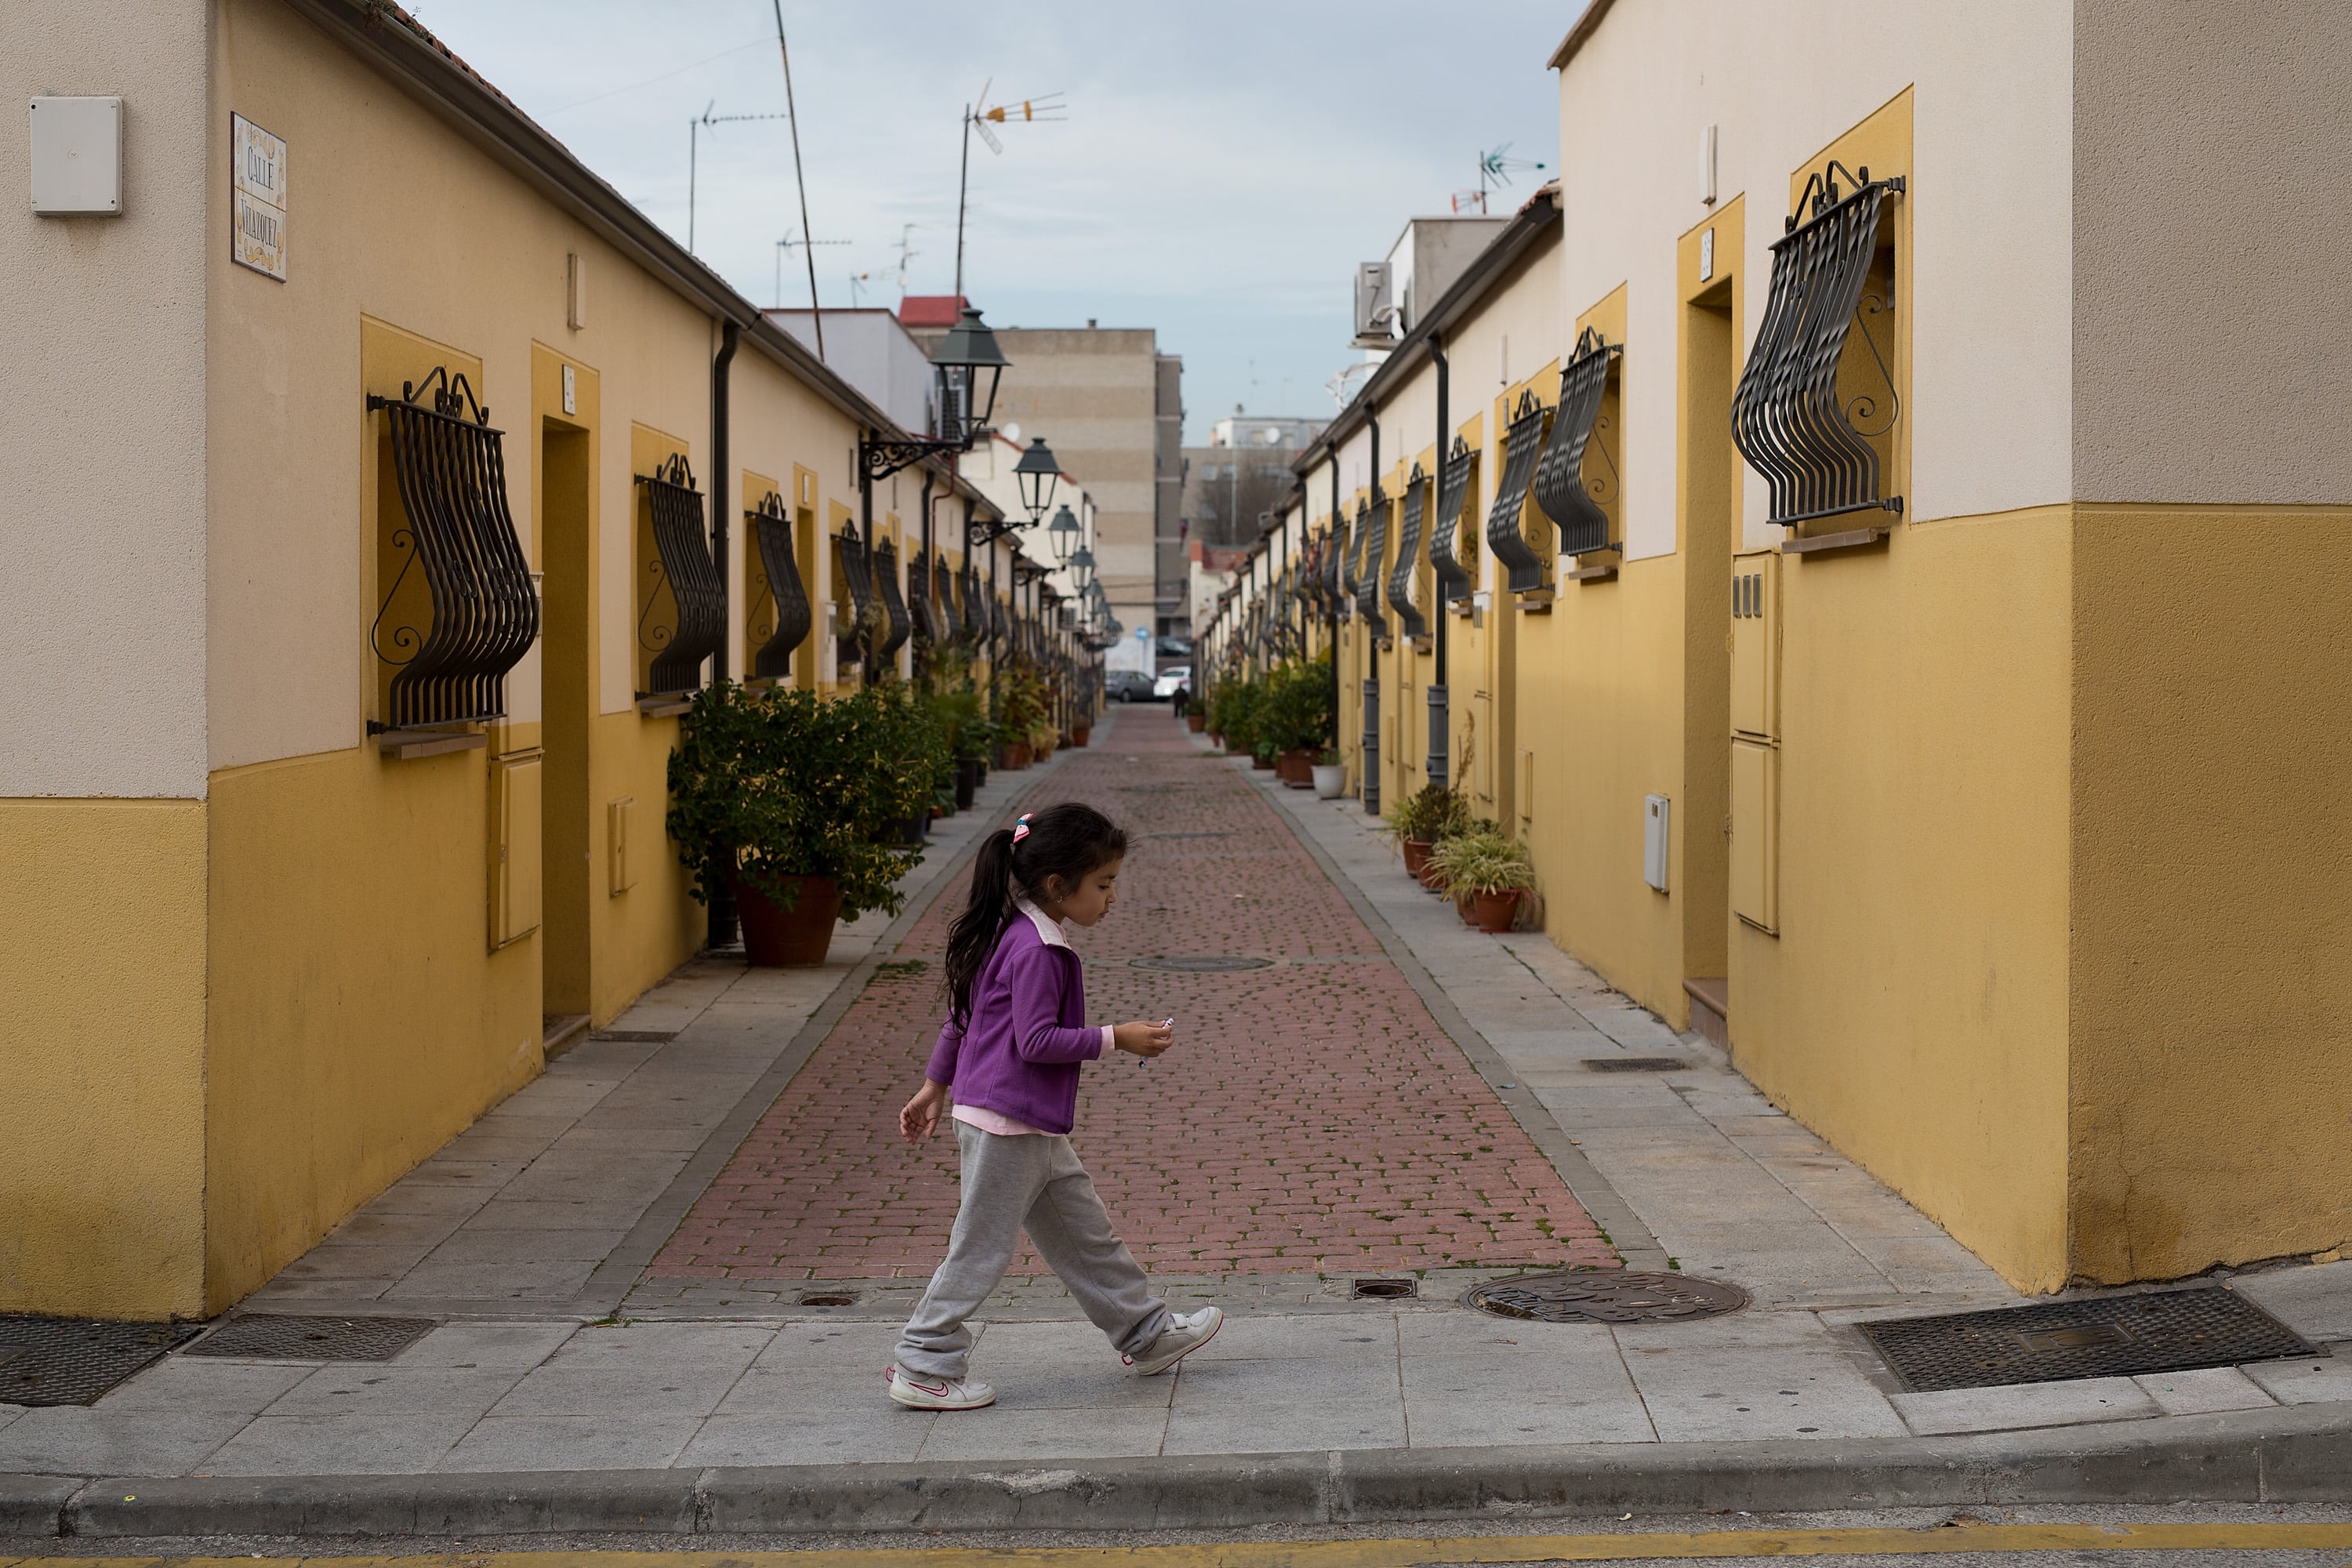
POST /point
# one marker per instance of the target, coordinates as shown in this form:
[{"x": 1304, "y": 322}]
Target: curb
[{"x": 2295, "y": 1455}]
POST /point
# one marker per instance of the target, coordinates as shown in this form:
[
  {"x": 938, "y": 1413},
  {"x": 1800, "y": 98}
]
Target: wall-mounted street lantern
[
  {"x": 966, "y": 369},
  {"x": 1063, "y": 533},
  {"x": 1082, "y": 569},
  {"x": 1038, "y": 473}
]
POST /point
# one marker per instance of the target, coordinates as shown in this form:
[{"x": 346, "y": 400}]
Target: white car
[{"x": 1165, "y": 686}]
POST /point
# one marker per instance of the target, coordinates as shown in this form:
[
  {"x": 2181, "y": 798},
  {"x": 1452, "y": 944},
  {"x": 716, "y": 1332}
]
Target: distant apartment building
[
  {"x": 1241, "y": 476},
  {"x": 1110, "y": 405}
]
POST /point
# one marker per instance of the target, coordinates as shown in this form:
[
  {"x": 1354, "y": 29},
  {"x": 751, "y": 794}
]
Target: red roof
[{"x": 930, "y": 310}]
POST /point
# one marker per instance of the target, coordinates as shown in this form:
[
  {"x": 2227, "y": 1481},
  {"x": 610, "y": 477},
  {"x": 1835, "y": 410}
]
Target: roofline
[
  {"x": 384, "y": 38},
  {"x": 1538, "y": 217},
  {"x": 1580, "y": 33}
]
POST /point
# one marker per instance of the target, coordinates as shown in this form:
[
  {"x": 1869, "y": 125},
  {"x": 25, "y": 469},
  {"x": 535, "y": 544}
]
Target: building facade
[
  {"x": 1909, "y": 648},
  {"x": 428, "y": 499}
]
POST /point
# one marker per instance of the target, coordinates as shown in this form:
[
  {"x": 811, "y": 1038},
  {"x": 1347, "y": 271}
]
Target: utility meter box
[
  {"x": 77, "y": 156},
  {"x": 1756, "y": 645},
  {"x": 1657, "y": 817}
]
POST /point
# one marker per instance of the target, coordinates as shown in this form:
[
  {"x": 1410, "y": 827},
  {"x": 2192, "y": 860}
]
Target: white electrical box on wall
[
  {"x": 1657, "y": 811},
  {"x": 77, "y": 147}
]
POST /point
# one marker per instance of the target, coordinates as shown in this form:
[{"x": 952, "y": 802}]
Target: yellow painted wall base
[
  {"x": 359, "y": 1018},
  {"x": 102, "y": 1170}
]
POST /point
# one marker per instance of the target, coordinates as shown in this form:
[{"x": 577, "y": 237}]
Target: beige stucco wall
[
  {"x": 1990, "y": 221},
  {"x": 102, "y": 432},
  {"x": 2212, "y": 251}
]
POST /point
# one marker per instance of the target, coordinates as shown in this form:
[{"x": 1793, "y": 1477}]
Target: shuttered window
[
  {"x": 683, "y": 617},
  {"x": 1453, "y": 577},
  {"x": 897, "y": 624},
  {"x": 1403, "y": 598},
  {"x": 855, "y": 601}
]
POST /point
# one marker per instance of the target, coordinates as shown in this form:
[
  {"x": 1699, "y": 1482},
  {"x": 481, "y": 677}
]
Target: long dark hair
[{"x": 1065, "y": 843}]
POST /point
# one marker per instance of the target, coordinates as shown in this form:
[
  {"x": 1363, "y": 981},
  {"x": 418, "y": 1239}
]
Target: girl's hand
[
  {"x": 1145, "y": 1040},
  {"x": 919, "y": 1118}
]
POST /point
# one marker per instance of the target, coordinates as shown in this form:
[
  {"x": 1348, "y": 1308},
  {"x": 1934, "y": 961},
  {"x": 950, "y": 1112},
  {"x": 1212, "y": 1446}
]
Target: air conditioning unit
[{"x": 1375, "y": 308}]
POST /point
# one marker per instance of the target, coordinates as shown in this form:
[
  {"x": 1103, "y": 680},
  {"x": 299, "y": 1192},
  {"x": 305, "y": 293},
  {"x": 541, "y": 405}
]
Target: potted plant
[
  {"x": 1298, "y": 717},
  {"x": 1329, "y": 778},
  {"x": 1490, "y": 871},
  {"x": 1080, "y": 733},
  {"x": 1428, "y": 814},
  {"x": 793, "y": 799},
  {"x": 1196, "y": 715}
]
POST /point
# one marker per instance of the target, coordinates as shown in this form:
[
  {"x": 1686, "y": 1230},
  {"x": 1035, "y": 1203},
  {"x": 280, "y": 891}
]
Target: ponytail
[{"x": 1061, "y": 844}]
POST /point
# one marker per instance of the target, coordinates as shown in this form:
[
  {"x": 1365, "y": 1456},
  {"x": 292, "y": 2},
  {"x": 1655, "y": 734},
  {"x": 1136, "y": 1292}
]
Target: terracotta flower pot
[
  {"x": 777, "y": 938},
  {"x": 1467, "y": 907},
  {"x": 1218, "y": 736},
  {"x": 1431, "y": 878},
  {"x": 1496, "y": 911},
  {"x": 1417, "y": 856},
  {"x": 1296, "y": 768},
  {"x": 1013, "y": 757},
  {"x": 1196, "y": 722},
  {"x": 1079, "y": 736}
]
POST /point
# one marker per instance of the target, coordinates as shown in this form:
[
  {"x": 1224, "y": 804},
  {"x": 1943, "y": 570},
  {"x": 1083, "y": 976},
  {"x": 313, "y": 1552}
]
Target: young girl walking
[{"x": 1010, "y": 1055}]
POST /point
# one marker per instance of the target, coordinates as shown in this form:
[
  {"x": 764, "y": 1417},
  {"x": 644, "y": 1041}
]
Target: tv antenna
[
  {"x": 906, "y": 252},
  {"x": 695, "y": 127},
  {"x": 981, "y": 116},
  {"x": 789, "y": 242},
  {"x": 1494, "y": 172}
]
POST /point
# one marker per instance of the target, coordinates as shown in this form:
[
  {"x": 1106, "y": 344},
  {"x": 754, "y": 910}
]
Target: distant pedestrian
[
  {"x": 1010, "y": 1054},
  {"x": 1183, "y": 699}
]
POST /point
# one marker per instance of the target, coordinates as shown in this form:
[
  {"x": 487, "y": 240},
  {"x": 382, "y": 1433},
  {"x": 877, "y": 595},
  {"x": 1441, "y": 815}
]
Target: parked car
[
  {"x": 1169, "y": 679},
  {"x": 1128, "y": 686}
]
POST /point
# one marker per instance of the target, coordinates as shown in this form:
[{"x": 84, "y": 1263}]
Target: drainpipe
[
  {"x": 1440, "y": 719},
  {"x": 867, "y": 659},
  {"x": 930, "y": 566},
  {"x": 1373, "y": 647},
  {"x": 722, "y": 897},
  {"x": 1335, "y": 538}
]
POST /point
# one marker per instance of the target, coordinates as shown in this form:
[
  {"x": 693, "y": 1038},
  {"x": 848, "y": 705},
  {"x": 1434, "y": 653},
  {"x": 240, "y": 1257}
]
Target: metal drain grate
[
  {"x": 1606, "y": 1296},
  {"x": 268, "y": 1338},
  {"x": 636, "y": 1036},
  {"x": 1635, "y": 1063},
  {"x": 72, "y": 1361},
  {"x": 1205, "y": 964},
  {"x": 1385, "y": 1290},
  {"x": 2108, "y": 1336}
]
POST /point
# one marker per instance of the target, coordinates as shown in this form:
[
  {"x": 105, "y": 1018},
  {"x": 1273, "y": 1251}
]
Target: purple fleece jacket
[{"x": 1019, "y": 1053}]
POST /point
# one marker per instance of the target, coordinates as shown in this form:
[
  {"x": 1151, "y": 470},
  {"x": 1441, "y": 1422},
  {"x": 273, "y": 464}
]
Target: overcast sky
[{"x": 1223, "y": 168}]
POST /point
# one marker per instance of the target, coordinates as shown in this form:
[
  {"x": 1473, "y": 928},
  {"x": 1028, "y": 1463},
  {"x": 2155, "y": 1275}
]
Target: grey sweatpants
[{"x": 1032, "y": 1182}]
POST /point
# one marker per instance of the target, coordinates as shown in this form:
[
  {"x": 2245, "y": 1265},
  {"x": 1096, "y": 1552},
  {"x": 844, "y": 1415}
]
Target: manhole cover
[
  {"x": 1385, "y": 1290},
  {"x": 1607, "y": 1297},
  {"x": 72, "y": 1361},
  {"x": 1634, "y": 1064},
  {"x": 2109, "y": 1336},
  {"x": 267, "y": 1337},
  {"x": 1206, "y": 964},
  {"x": 828, "y": 1299}
]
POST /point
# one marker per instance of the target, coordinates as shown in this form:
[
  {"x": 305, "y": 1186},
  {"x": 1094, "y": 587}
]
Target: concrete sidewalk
[{"x": 570, "y": 1381}]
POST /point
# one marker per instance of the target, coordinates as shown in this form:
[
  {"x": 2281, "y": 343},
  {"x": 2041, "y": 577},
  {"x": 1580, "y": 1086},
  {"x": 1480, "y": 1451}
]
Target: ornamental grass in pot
[
  {"x": 1487, "y": 869},
  {"x": 804, "y": 804},
  {"x": 1196, "y": 716},
  {"x": 1431, "y": 813}
]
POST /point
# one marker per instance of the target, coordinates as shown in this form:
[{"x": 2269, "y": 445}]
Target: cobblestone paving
[{"x": 1312, "y": 1116}]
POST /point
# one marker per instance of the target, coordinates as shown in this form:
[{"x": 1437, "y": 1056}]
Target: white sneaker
[
  {"x": 1181, "y": 1338},
  {"x": 920, "y": 1393}
]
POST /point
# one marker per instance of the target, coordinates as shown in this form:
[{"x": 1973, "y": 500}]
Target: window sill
[
  {"x": 1823, "y": 543},
  {"x": 1537, "y": 601},
  {"x": 410, "y": 745},
  {"x": 1593, "y": 574},
  {"x": 664, "y": 707}
]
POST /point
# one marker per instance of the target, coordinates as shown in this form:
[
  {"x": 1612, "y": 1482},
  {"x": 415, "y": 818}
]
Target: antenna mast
[{"x": 816, "y": 312}]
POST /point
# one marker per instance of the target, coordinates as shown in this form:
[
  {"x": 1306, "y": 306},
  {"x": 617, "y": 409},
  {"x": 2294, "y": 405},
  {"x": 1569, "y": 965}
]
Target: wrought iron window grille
[
  {"x": 864, "y": 614},
  {"x": 1574, "y": 490},
  {"x": 919, "y": 599},
  {"x": 1402, "y": 584},
  {"x": 1808, "y": 413},
  {"x": 897, "y": 625},
  {"x": 682, "y": 572},
  {"x": 1372, "y": 530},
  {"x": 1523, "y": 441},
  {"x": 483, "y": 610},
  {"x": 1349, "y": 549},
  {"x": 974, "y": 620},
  {"x": 790, "y": 618},
  {"x": 1453, "y": 579}
]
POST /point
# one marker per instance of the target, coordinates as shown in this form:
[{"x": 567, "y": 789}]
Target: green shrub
[
  {"x": 778, "y": 782},
  {"x": 1297, "y": 706}
]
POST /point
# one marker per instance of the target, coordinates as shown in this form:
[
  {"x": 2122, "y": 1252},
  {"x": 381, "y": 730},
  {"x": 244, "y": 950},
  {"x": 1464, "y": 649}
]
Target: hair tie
[{"x": 1021, "y": 828}]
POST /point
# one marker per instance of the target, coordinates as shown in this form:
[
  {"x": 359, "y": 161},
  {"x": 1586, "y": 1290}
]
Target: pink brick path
[{"x": 1311, "y": 1118}]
